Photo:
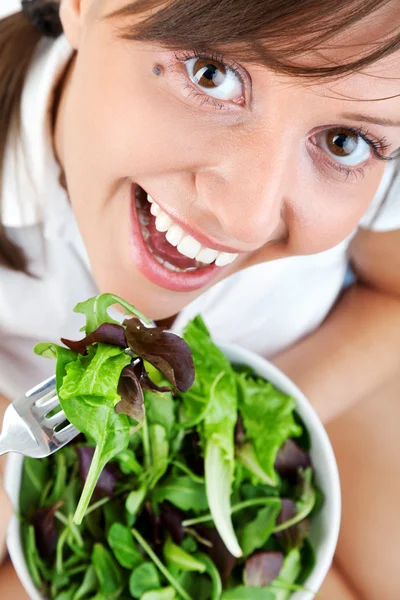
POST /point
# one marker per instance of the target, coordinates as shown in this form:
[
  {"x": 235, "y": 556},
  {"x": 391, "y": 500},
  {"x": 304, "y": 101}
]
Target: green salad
[{"x": 191, "y": 478}]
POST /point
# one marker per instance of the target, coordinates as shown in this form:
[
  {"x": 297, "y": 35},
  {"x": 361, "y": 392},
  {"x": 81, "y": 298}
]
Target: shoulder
[{"x": 30, "y": 172}]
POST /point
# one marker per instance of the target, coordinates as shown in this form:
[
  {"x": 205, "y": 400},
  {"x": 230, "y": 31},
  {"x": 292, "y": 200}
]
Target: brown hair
[{"x": 271, "y": 32}]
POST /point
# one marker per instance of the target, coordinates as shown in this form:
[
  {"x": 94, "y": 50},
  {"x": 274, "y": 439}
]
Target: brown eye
[
  {"x": 344, "y": 146},
  {"x": 209, "y": 73},
  {"x": 341, "y": 142},
  {"x": 215, "y": 78}
]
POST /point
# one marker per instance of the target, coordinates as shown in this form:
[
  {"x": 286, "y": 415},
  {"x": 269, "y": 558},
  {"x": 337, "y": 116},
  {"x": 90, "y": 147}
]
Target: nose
[{"x": 245, "y": 191}]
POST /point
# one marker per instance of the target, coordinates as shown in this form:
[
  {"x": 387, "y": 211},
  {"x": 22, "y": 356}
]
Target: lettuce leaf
[
  {"x": 212, "y": 400},
  {"x": 96, "y": 311},
  {"x": 267, "y": 417}
]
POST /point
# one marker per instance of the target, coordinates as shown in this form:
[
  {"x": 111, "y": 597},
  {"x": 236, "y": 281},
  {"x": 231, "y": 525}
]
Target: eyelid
[
  {"x": 237, "y": 69},
  {"x": 378, "y": 145}
]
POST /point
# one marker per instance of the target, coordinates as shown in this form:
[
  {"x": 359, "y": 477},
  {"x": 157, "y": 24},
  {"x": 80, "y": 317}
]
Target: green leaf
[
  {"x": 122, "y": 544},
  {"x": 248, "y": 593},
  {"x": 128, "y": 463},
  {"x": 96, "y": 374},
  {"x": 67, "y": 594},
  {"x": 268, "y": 419},
  {"x": 305, "y": 502},
  {"x": 89, "y": 584},
  {"x": 213, "y": 399},
  {"x": 308, "y": 561},
  {"x": 159, "y": 449},
  {"x": 247, "y": 457},
  {"x": 87, "y": 386},
  {"x": 35, "y": 474},
  {"x": 32, "y": 555},
  {"x": 182, "y": 492},
  {"x": 160, "y": 409},
  {"x": 63, "y": 356},
  {"x": 135, "y": 500},
  {"x": 143, "y": 579},
  {"x": 177, "y": 557},
  {"x": 160, "y": 566},
  {"x": 218, "y": 484},
  {"x": 212, "y": 571},
  {"x": 167, "y": 593},
  {"x": 289, "y": 573},
  {"x": 107, "y": 571},
  {"x": 110, "y": 432},
  {"x": 256, "y": 533},
  {"x": 96, "y": 311},
  {"x": 196, "y": 585},
  {"x": 60, "y": 483}
]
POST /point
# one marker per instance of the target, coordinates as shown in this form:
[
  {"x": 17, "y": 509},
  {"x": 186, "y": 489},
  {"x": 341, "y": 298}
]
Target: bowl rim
[{"x": 13, "y": 474}]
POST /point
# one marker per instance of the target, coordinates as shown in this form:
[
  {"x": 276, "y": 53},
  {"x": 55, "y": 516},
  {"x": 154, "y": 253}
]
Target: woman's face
[{"x": 237, "y": 160}]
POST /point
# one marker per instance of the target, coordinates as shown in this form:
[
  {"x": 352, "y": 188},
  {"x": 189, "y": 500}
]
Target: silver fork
[{"x": 28, "y": 430}]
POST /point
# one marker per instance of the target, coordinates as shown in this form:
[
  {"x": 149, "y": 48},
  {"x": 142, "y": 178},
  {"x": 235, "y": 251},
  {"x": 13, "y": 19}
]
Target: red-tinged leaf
[
  {"x": 290, "y": 459},
  {"x": 293, "y": 536},
  {"x": 166, "y": 351},
  {"x": 262, "y": 568},
  {"x": 240, "y": 434},
  {"x": 130, "y": 390},
  {"x": 218, "y": 552},
  {"x": 108, "y": 333},
  {"x": 171, "y": 518},
  {"x": 45, "y": 530},
  {"x": 133, "y": 380},
  {"x": 109, "y": 475}
]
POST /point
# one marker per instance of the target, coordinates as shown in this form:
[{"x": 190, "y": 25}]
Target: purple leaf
[
  {"x": 130, "y": 390},
  {"x": 108, "y": 333},
  {"x": 218, "y": 552},
  {"x": 134, "y": 378},
  {"x": 166, "y": 351},
  {"x": 290, "y": 459},
  {"x": 292, "y": 537},
  {"x": 240, "y": 434},
  {"x": 109, "y": 475},
  {"x": 45, "y": 530},
  {"x": 144, "y": 379},
  {"x": 171, "y": 518},
  {"x": 262, "y": 568}
]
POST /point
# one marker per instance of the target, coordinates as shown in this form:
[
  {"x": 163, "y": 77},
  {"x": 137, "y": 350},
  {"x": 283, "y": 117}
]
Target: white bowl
[{"x": 324, "y": 526}]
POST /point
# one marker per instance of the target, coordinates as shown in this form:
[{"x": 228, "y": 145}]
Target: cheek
[
  {"x": 324, "y": 215},
  {"x": 123, "y": 124}
]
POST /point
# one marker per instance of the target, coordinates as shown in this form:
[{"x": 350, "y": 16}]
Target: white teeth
[
  {"x": 174, "y": 234},
  {"x": 155, "y": 209},
  {"x": 185, "y": 243},
  {"x": 163, "y": 222},
  {"x": 225, "y": 258},
  {"x": 207, "y": 255},
  {"x": 189, "y": 247}
]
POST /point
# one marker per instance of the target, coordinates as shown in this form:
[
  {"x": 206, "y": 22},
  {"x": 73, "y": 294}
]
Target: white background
[{"x": 8, "y": 6}]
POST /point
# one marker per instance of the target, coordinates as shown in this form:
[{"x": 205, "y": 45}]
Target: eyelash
[
  {"x": 216, "y": 56},
  {"x": 378, "y": 146}
]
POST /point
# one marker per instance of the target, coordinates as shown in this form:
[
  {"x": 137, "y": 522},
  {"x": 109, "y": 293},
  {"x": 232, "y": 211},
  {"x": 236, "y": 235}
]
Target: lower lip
[{"x": 171, "y": 280}]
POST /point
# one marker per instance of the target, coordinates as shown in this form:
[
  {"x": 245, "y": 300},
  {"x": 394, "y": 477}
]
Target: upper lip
[{"x": 199, "y": 235}]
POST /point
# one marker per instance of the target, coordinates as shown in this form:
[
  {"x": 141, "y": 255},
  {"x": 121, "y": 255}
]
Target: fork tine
[
  {"x": 56, "y": 419},
  {"x": 66, "y": 435},
  {"x": 46, "y": 407}
]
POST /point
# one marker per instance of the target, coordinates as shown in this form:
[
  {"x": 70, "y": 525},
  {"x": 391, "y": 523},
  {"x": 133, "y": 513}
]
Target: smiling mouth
[{"x": 169, "y": 244}]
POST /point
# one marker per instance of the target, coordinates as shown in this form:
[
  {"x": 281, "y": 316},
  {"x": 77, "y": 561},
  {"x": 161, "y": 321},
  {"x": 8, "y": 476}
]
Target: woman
[{"x": 229, "y": 158}]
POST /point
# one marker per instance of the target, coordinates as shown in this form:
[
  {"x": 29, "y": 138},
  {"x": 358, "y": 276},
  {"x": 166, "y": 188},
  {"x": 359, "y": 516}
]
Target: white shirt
[{"x": 265, "y": 308}]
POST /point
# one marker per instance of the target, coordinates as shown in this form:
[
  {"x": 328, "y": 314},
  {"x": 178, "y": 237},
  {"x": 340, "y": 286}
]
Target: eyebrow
[{"x": 374, "y": 120}]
